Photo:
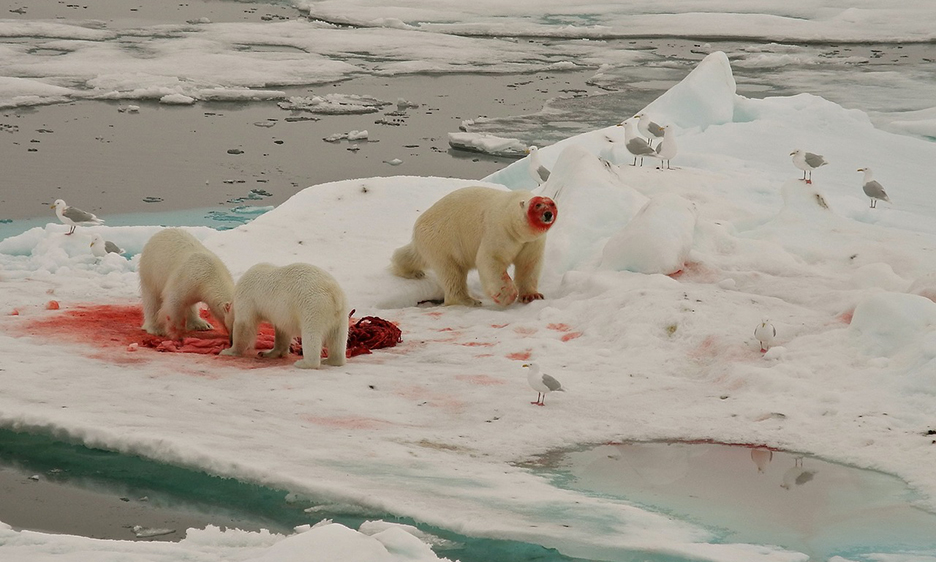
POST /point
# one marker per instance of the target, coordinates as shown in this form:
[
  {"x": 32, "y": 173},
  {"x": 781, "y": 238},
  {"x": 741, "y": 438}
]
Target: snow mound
[
  {"x": 883, "y": 324},
  {"x": 331, "y": 541},
  {"x": 593, "y": 199},
  {"x": 657, "y": 240}
]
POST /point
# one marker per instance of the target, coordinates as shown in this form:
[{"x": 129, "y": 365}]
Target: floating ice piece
[
  {"x": 177, "y": 99},
  {"x": 394, "y": 162},
  {"x": 350, "y": 135},
  {"x": 142, "y": 532},
  {"x": 334, "y": 104},
  {"x": 487, "y": 144}
]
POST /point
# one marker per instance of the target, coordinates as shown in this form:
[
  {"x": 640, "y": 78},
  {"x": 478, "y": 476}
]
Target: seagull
[
  {"x": 543, "y": 384},
  {"x": 648, "y": 128},
  {"x": 537, "y": 170},
  {"x": 761, "y": 457},
  {"x": 807, "y": 161},
  {"x": 666, "y": 150},
  {"x": 765, "y": 334},
  {"x": 634, "y": 143},
  {"x": 797, "y": 475},
  {"x": 73, "y": 216},
  {"x": 872, "y": 188},
  {"x": 100, "y": 247}
]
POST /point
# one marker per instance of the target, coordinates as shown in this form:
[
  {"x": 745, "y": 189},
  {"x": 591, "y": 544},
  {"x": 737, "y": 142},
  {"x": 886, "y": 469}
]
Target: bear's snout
[{"x": 547, "y": 217}]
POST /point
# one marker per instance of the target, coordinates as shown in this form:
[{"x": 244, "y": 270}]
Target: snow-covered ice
[{"x": 431, "y": 429}]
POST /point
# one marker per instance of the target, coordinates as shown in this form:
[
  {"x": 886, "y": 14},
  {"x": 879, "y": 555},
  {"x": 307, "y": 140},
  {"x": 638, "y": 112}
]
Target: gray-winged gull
[
  {"x": 634, "y": 143},
  {"x": 73, "y": 216},
  {"x": 101, "y": 247},
  {"x": 648, "y": 128},
  {"x": 542, "y": 383},
  {"x": 765, "y": 332},
  {"x": 807, "y": 161},
  {"x": 537, "y": 170},
  {"x": 872, "y": 188},
  {"x": 667, "y": 148}
]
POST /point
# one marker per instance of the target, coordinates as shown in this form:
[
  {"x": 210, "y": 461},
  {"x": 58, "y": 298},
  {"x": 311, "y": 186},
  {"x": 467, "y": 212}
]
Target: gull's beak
[{"x": 52, "y": 206}]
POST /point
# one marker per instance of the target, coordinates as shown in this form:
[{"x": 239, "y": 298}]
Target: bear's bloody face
[{"x": 541, "y": 213}]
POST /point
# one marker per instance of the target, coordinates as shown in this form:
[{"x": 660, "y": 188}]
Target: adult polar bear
[
  {"x": 299, "y": 300},
  {"x": 484, "y": 228},
  {"x": 176, "y": 273}
]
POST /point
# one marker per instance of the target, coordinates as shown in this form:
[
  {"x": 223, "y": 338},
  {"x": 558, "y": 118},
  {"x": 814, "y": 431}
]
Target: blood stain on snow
[
  {"x": 479, "y": 344},
  {"x": 525, "y": 331},
  {"x": 52, "y": 305},
  {"x": 521, "y": 355},
  {"x": 571, "y": 336},
  {"x": 845, "y": 317},
  {"x": 483, "y": 380},
  {"x": 499, "y": 326},
  {"x": 559, "y": 327}
]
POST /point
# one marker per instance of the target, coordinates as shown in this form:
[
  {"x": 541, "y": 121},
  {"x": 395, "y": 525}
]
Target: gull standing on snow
[
  {"x": 101, "y": 247},
  {"x": 634, "y": 143},
  {"x": 73, "y": 216},
  {"x": 667, "y": 148},
  {"x": 537, "y": 170},
  {"x": 542, "y": 383},
  {"x": 648, "y": 128},
  {"x": 872, "y": 188},
  {"x": 797, "y": 475},
  {"x": 807, "y": 161},
  {"x": 765, "y": 334}
]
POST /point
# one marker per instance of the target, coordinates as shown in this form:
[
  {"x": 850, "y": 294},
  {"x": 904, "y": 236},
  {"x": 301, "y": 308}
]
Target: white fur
[
  {"x": 476, "y": 227},
  {"x": 299, "y": 300},
  {"x": 176, "y": 273}
]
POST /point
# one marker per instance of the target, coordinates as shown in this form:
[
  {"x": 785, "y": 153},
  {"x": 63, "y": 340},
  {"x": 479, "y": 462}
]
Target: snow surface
[{"x": 430, "y": 429}]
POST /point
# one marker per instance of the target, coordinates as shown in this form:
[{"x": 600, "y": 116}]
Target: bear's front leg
[
  {"x": 194, "y": 321},
  {"x": 527, "y": 267},
  {"x": 494, "y": 278},
  {"x": 281, "y": 341}
]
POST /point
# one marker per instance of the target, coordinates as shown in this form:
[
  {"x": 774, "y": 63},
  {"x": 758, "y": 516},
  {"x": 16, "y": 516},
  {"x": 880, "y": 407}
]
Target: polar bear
[
  {"x": 176, "y": 273},
  {"x": 298, "y": 299},
  {"x": 483, "y": 228}
]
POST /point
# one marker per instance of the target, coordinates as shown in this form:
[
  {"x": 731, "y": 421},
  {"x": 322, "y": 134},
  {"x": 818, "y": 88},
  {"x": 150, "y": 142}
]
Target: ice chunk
[{"x": 657, "y": 240}]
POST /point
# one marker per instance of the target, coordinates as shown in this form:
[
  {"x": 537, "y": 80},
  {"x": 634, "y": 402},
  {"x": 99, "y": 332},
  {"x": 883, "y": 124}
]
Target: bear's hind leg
[
  {"x": 454, "y": 279},
  {"x": 311, "y": 349},
  {"x": 337, "y": 343},
  {"x": 244, "y": 337},
  {"x": 406, "y": 263},
  {"x": 281, "y": 341},
  {"x": 151, "y": 305}
]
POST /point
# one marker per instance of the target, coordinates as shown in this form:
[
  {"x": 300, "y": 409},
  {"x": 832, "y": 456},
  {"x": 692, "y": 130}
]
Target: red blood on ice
[
  {"x": 52, "y": 305},
  {"x": 560, "y": 327},
  {"x": 571, "y": 336},
  {"x": 521, "y": 355},
  {"x": 119, "y": 326}
]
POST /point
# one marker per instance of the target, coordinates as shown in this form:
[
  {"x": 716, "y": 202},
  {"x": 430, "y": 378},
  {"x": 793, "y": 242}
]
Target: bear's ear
[
  {"x": 522, "y": 203},
  {"x": 227, "y": 307}
]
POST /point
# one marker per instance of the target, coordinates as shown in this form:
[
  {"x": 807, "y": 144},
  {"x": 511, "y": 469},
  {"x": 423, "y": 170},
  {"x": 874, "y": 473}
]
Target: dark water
[{"x": 103, "y": 494}]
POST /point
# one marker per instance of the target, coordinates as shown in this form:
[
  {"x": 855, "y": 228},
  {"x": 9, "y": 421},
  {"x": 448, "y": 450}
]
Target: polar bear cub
[
  {"x": 484, "y": 228},
  {"x": 176, "y": 273},
  {"x": 298, "y": 299}
]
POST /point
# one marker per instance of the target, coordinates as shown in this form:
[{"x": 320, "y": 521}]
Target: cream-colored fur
[
  {"x": 477, "y": 227},
  {"x": 299, "y": 300},
  {"x": 176, "y": 273}
]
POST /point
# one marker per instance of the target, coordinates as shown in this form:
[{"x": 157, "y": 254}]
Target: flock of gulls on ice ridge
[{"x": 640, "y": 133}]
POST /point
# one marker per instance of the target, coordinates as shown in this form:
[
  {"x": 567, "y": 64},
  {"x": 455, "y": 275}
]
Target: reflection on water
[{"x": 760, "y": 496}]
